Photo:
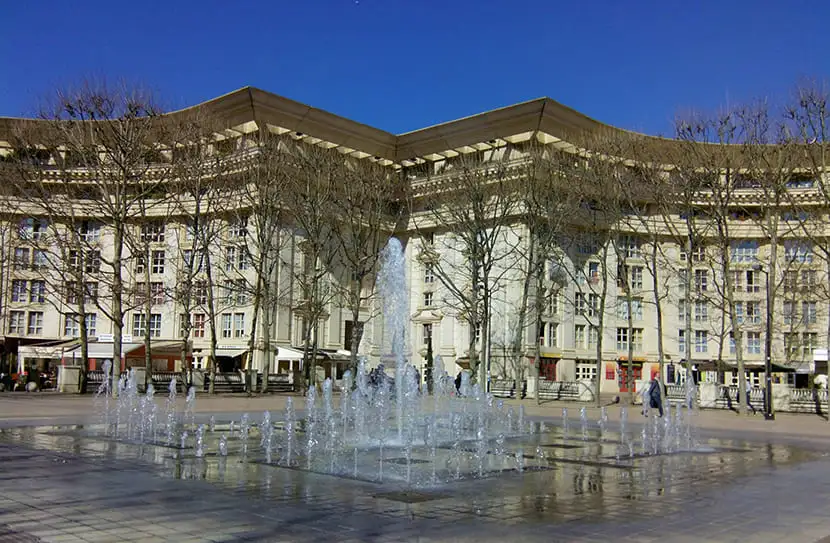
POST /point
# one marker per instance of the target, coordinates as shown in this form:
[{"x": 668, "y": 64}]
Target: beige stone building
[{"x": 39, "y": 325}]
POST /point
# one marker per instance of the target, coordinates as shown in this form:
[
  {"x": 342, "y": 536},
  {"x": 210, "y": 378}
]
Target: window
[
  {"x": 593, "y": 272},
  {"x": 789, "y": 312},
  {"x": 230, "y": 258},
  {"x": 732, "y": 347},
  {"x": 808, "y": 313},
  {"x": 744, "y": 251},
  {"x": 90, "y": 231},
  {"x": 554, "y": 303},
  {"x": 636, "y": 309},
  {"x": 587, "y": 245},
  {"x": 158, "y": 262},
  {"x": 21, "y": 258},
  {"x": 753, "y": 312},
  {"x": 630, "y": 247},
  {"x": 140, "y": 264},
  {"x": 701, "y": 280},
  {"x": 798, "y": 251},
  {"x": 152, "y": 233},
  {"x": 681, "y": 341},
  {"x": 427, "y": 299},
  {"x": 198, "y": 328},
  {"x": 32, "y": 229},
  {"x": 790, "y": 281},
  {"x": 701, "y": 341},
  {"x": 238, "y": 229},
  {"x": 228, "y": 291},
  {"x": 91, "y": 291},
  {"x": 753, "y": 283},
  {"x": 428, "y": 239},
  {"x": 140, "y": 293},
  {"x": 593, "y": 337},
  {"x": 35, "y": 323},
  {"x": 477, "y": 332},
  {"x": 698, "y": 254},
  {"x": 701, "y": 311},
  {"x": 39, "y": 259},
  {"x": 429, "y": 273},
  {"x": 189, "y": 231},
  {"x": 426, "y": 333},
  {"x": 242, "y": 292},
  {"x": 157, "y": 293},
  {"x": 579, "y": 336},
  {"x": 635, "y": 278},
  {"x": 200, "y": 293},
  {"x": 791, "y": 344},
  {"x": 738, "y": 280},
  {"x": 622, "y": 339},
  {"x": 593, "y": 305},
  {"x": 91, "y": 324},
  {"x": 553, "y": 334},
  {"x": 753, "y": 343},
  {"x": 227, "y": 325},
  {"x": 37, "y": 294},
  {"x": 238, "y": 325},
  {"x": 586, "y": 371},
  {"x": 155, "y": 325},
  {"x": 16, "y": 322},
  {"x": 739, "y": 312},
  {"x": 139, "y": 324},
  {"x": 579, "y": 303},
  {"x": 809, "y": 341},
  {"x": 808, "y": 279},
  {"x": 19, "y": 290},
  {"x": 72, "y": 326},
  {"x": 681, "y": 311}
]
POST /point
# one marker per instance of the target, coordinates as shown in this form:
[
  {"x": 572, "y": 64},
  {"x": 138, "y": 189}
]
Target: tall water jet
[
  {"x": 394, "y": 296},
  {"x": 288, "y": 424}
]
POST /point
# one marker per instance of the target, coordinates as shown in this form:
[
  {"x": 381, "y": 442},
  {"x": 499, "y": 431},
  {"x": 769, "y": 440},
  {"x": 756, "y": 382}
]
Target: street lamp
[{"x": 768, "y": 413}]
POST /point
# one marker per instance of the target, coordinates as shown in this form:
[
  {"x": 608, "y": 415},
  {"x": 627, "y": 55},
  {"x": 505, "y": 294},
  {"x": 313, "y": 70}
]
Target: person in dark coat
[{"x": 654, "y": 400}]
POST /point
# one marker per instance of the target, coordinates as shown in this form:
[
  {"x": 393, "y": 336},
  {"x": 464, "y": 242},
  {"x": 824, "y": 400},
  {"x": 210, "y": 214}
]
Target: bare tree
[{"x": 475, "y": 203}]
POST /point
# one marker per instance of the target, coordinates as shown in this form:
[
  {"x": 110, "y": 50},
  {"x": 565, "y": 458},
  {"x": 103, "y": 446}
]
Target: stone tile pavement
[{"x": 67, "y": 488}]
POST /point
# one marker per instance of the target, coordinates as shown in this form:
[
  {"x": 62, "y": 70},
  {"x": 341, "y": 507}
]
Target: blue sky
[{"x": 401, "y": 65}]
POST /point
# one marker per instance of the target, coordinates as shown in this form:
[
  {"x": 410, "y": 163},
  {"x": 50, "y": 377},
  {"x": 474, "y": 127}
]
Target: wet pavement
[{"x": 69, "y": 483}]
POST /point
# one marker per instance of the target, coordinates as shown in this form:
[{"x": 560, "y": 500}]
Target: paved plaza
[{"x": 753, "y": 481}]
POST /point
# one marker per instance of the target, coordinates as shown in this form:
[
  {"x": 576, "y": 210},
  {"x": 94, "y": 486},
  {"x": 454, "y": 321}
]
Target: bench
[
  {"x": 229, "y": 382},
  {"x": 277, "y": 382},
  {"x": 558, "y": 390},
  {"x": 503, "y": 388}
]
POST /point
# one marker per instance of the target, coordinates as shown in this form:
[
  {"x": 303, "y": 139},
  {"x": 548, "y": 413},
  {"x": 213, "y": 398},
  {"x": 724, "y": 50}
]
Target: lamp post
[{"x": 768, "y": 413}]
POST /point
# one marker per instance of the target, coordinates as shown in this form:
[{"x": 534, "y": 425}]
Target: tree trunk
[
  {"x": 148, "y": 312},
  {"x": 117, "y": 305},
  {"x": 658, "y": 308}
]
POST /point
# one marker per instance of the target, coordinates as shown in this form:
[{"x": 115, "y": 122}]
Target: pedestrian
[
  {"x": 655, "y": 401},
  {"x": 748, "y": 402}
]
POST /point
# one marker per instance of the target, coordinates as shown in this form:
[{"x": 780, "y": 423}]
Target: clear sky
[{"x": 401, "y": 65}]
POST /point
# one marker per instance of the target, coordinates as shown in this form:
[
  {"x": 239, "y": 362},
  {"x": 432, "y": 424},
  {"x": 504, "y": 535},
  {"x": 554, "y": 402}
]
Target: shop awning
[
  {"x": 227, "y": 353},
  {"x": 100, "y": 351},
  {"x": 284, "y": 353}
]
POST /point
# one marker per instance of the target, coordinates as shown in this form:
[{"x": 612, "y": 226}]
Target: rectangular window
[
  {"x": 701, "y": 311},
  {"x": 593, "y": 337},
  {"x": 753, "y": 312},
  {"x": 630, "y": 247},
  {"x": 91, "y": 324},
  {"x": 227, "y": 325},
  {"x": 19, "y": 290},
  {"x": 579, "y": 303},
  {"x": 791, "y": 344},
  {"x": 681, "y": 311},
  {"x": 593, "y": 305},
  {"x": 40, "y": 259},
  {"x": 586, "y": 371},
  {"x": 155, "y": 325},
  {"x": 636, "y": 277},
  {"x": 199, "y": 321},
  {"x": 140, "y": 264},
  {"x": 554, "y": 302},
  {"x": 753, "y": 281},
  {"x": 90, "y": 231},
  {"x": 701, "y": 280},
  {"x": 35, "y": 323},
  {"x": 429, "y": 273},
  {"x": 17, "y": 323},
  {"x": 139, "y": 324},
  {"x": 753, "y": 343},
  {"x": 427, "y": 299},
  {"x": 808, "y": 312},
  {"x": 745, "y": 251},
  {"x": 242, "y": 293},
  {"x": 239, "y": 325},
  {"x": 158, "y": 262},
  {"x": 681, "y": 342},
  {"x": 72, "y": 325},
  {"x": 157, "y": 293},
  {"x": 33, "y": 229},
  {"x": 738, "y": 280},
  {"x": 152, "y": 232},
  {"x": 553, "y": 334},
  {"x": 593, "y": 272},
  {"x": 241, "y": 259},
  {"x": 789, "y": 312},
  {"x": 622, "y": 339},
  {"x": 579, "y": 336},
  {"x": 37, "y": 293},
  {"x": 91, "y": 291},
  {"x": 238, "y": 228},
  {"x": 228, "y": 291},
  {"x": 426, "y": 333},
  {"x": 701, "y": 341},
  {"x": 732, "y": 348},
  {"x": 809, "y": 342},
  {"x": 798, "y": 251},
  {"x": 698, "y": 254},
  {"x": 739, "y": 312},
  {"x": 790, "y": 281},
  {"x": 230, "y": 258},
  {"x": 637, "y": 339},
  {"x": 21, "y": 258},
  {"x": 808, "y": 279}
]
